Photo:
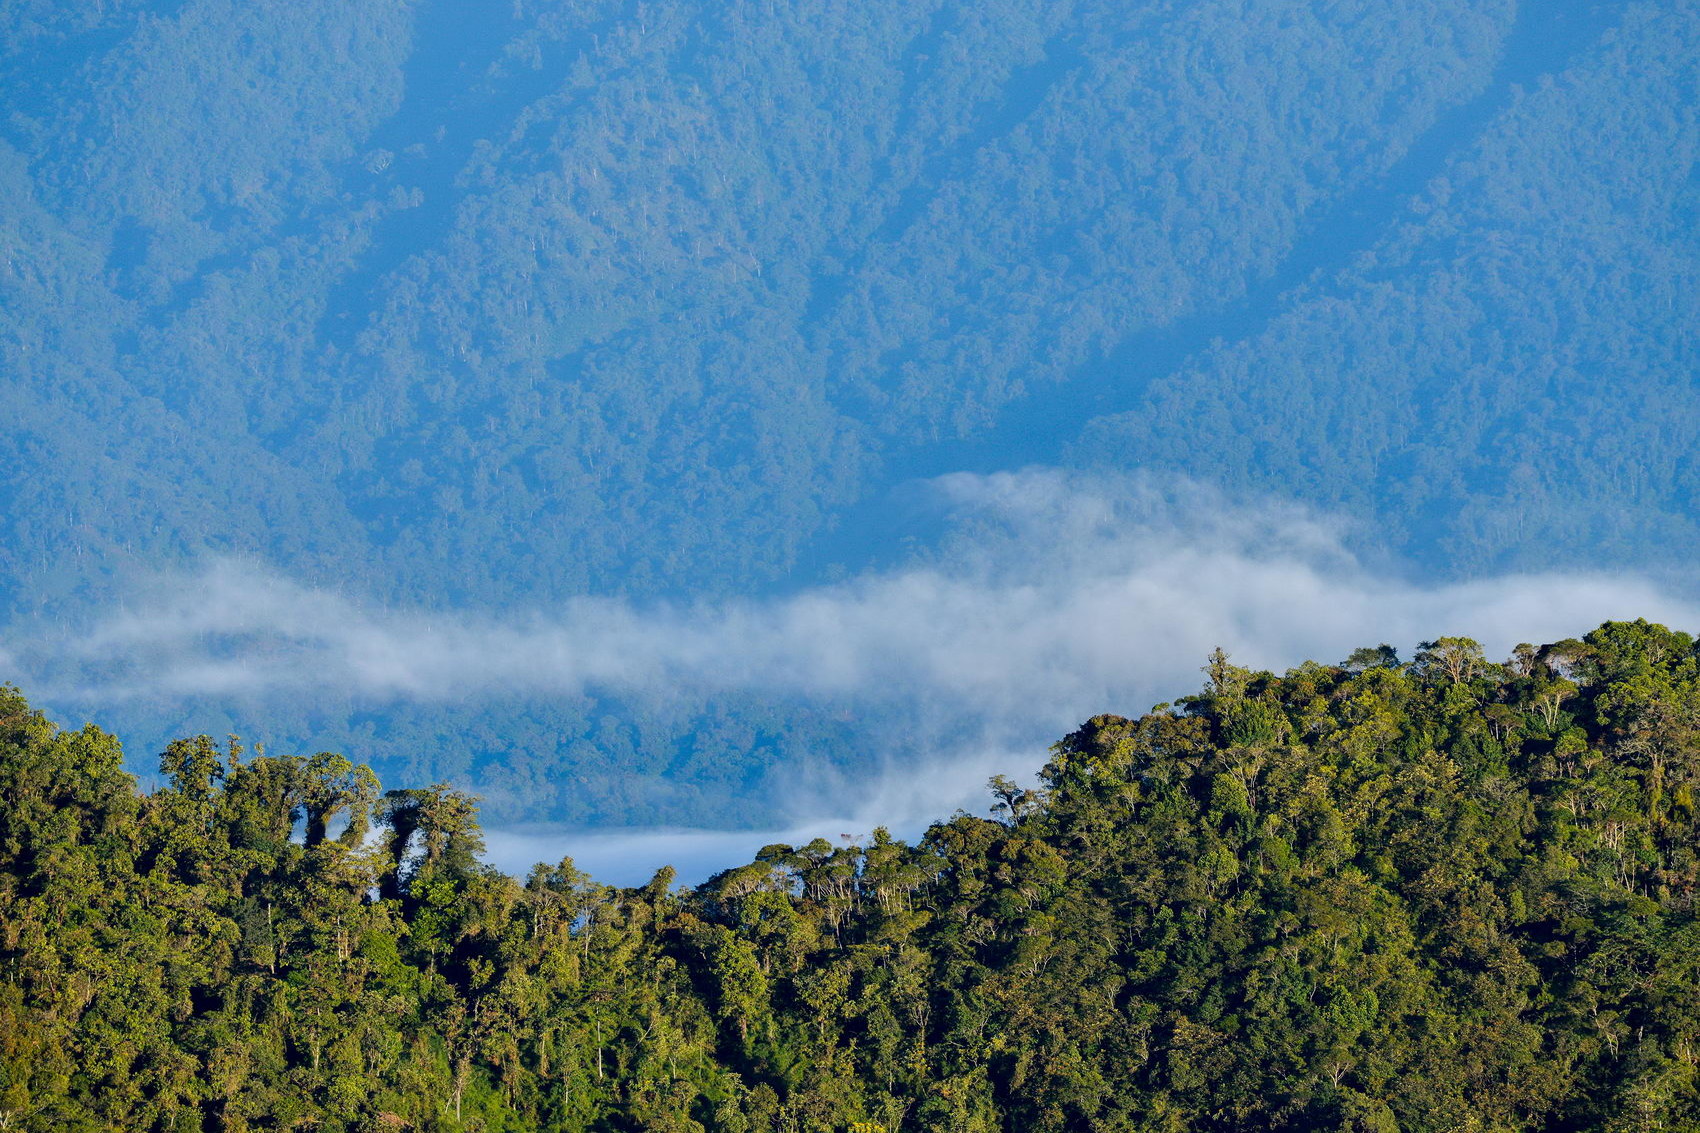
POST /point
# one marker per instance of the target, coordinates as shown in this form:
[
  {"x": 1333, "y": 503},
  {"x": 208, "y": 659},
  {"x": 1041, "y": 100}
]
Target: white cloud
[{"x": 1051, "y": 597}]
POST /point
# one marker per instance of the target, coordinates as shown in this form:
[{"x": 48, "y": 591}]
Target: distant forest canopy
[
  {"x": 486, "y": 305},
  {"x": 499, "y": 301},
  {"x": 1377, "y": 895}
]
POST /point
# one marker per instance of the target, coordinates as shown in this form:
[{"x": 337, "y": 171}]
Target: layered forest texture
[
  {"x": 1375, "y": 895},
  {"x": 482, "y": 306},
  {"x": 496, "y": 302}
]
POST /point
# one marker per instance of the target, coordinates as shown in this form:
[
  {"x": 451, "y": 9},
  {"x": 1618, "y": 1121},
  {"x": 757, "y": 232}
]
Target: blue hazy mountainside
[{"x": 487, "y": 307}]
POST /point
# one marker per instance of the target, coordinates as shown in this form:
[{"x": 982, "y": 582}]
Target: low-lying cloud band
[
  {"x": 1050, "y": 597},
  {"x": 1052, "y": 594}
]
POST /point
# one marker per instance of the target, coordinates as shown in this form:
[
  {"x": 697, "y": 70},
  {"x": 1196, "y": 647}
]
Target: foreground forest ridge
[{"x": 1444, "y": 894}]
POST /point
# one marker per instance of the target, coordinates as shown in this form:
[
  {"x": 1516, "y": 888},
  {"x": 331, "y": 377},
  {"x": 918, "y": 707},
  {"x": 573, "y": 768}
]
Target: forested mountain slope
[
  {"x": 496, "y": 303},
  {"x": 484, "y": 306},
  {"x": 1375, "y": 895},
  {"x": 1427, "y": 384}
]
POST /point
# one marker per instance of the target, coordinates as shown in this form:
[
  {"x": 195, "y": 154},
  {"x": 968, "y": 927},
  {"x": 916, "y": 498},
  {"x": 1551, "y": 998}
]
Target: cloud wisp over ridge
[
  {"x": 1051, "y": 593},
  {"x": 1052, "y": 596}
]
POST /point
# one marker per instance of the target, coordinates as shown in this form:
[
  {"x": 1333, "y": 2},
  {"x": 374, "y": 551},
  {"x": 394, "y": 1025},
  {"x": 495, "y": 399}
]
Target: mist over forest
[
  {"x": 785, "y": 566},
  {"x": 675, "y": 413}
]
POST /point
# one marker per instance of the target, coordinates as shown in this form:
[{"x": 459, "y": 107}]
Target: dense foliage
[{"x": 1442, "y": 894}]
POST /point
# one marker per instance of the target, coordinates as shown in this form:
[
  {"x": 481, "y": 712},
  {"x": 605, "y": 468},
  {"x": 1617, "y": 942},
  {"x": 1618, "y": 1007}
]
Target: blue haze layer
[{"x": 484, "y": 307}]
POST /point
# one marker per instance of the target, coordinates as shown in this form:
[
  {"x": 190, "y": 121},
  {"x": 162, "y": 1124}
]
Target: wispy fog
[
  {"x": 921, "y": 778},
  {"x": 1052, "y": 597}
]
